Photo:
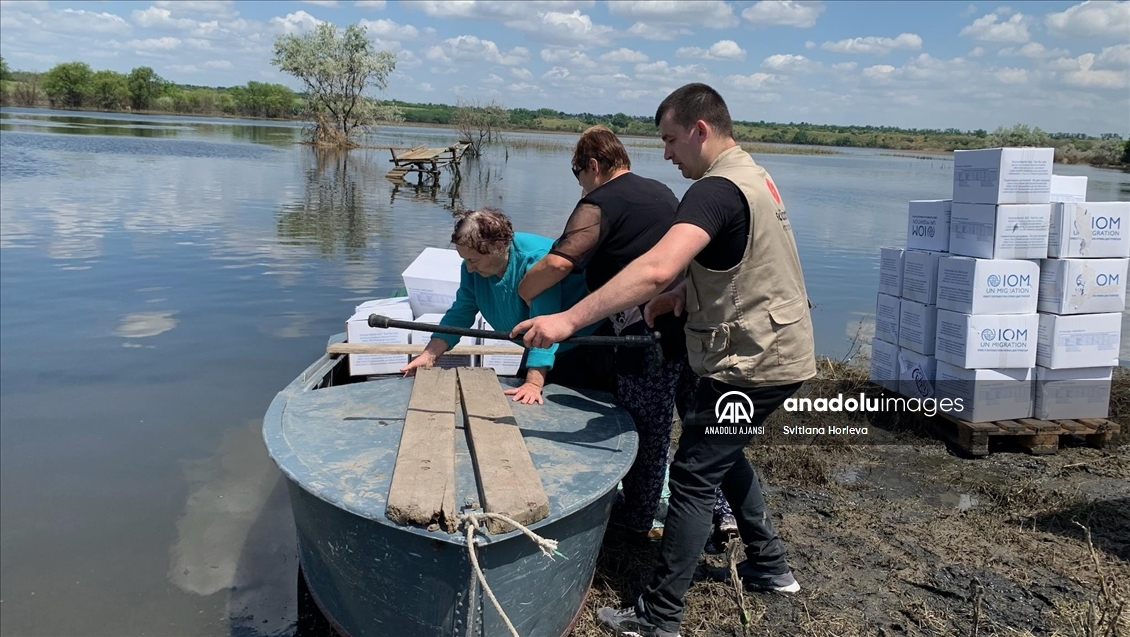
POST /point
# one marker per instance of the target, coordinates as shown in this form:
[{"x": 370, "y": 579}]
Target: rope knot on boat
[{"x": 470, "y": 522}]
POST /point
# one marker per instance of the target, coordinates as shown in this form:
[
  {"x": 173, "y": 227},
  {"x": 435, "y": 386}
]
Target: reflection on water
[{"x": 130, "y": 501}]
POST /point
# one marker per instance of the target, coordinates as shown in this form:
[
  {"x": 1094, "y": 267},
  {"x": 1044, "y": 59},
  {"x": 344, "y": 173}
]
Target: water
[{"x": 161, "y": 278}]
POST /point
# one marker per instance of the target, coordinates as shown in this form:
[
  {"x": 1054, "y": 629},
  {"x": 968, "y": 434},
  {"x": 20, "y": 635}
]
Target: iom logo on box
[
  {"x": 1004, "y": 338},
  {"x": 922, "y": 228},
  {"x": 1009, "y": 282},
  {"x": 1102, "y": 279},
  {"x": 1101, "y": 227}
]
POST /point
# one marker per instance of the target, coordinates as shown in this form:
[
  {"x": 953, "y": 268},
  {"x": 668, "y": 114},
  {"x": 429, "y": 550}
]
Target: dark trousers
[{"x": 704, "y": 462}]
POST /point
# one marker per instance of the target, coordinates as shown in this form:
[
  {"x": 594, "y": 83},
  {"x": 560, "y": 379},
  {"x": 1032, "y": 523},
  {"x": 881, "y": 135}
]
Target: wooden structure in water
[{"x": 425, "y": 161}]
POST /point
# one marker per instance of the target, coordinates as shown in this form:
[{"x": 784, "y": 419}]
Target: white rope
[{"x": 471, "y": 520}]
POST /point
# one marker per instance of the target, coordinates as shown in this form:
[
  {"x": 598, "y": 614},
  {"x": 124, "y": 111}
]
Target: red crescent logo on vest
[{"x": 773, "y": 191}]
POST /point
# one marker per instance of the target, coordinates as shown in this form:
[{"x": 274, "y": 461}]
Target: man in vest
[{"x": 749, "y": 338}]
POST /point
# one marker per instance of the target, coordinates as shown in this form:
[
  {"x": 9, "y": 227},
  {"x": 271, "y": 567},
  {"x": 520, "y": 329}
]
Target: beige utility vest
[{"x": 750, "y": 325}]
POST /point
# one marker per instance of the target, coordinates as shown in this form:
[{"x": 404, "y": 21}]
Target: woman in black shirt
[{"x": 621, "y": 216}]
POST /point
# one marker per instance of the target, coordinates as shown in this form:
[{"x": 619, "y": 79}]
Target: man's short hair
[{"x": 697, "y": 101}]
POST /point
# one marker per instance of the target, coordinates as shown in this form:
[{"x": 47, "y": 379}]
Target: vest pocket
[
  {"x": 709, "y": 347},
  {"x": 791, "y": 340}
]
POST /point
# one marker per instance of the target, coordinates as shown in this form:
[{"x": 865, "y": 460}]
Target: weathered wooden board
[
  {"x": 509, "y": 483},
  {"x": 423, "y": 481}
]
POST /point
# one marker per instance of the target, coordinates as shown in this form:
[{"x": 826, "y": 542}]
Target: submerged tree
[
  {"x": 336, "y": 71},
  {"x": 479, "y": 124}
]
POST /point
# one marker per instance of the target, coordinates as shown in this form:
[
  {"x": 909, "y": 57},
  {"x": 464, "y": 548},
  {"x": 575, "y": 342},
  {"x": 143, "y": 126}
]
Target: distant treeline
[{"x": 76, "y": 85}]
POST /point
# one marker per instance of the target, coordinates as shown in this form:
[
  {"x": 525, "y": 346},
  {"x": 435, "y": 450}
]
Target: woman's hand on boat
[
  {"x": 527, "y": 393},
  {"x": 426, "y": 359}
]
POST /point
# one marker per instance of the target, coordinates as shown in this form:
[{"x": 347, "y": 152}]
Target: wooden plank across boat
[{"x": 353, "y": 451}]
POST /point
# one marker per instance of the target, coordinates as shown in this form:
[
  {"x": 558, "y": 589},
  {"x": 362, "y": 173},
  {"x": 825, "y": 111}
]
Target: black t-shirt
[
  {"x": 718, "y": 206},
  {"x": 614, "y": 224}
]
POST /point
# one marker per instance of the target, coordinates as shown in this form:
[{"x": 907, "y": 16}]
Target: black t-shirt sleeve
[
  {"x": 718, "y": 206},
  {"x": 584, "y": 232}
]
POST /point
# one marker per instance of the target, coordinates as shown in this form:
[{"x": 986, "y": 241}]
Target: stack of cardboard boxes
[
  {"x": 431, "y": 282},
  {"x": 973, "y": 308}
]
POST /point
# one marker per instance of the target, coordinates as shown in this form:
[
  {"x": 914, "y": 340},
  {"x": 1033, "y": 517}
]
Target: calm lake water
[{"x": 161, "y": 278}]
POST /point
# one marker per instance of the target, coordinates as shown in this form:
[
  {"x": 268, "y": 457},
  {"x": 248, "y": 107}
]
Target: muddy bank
[{"x": 907, "y": 538}]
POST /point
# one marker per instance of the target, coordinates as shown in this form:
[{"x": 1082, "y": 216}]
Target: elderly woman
[
  {"x": 495, "y": 258},
  {"x": 621, "y": 216}
]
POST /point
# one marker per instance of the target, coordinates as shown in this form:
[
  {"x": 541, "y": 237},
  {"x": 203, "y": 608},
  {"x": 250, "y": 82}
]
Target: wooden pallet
[{"x": 1038, "y": 437}]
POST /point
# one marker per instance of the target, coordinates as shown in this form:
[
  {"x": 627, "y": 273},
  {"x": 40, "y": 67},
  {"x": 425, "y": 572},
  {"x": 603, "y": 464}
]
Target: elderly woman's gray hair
[{"x": 487, "y": 230}]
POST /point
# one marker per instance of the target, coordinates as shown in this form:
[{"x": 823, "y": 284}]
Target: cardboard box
[
  {"x": 887, "y": 312},
  {"x": 1066, "y": 188},
  {"x": 1072, "y": 393},
  {"x": 1091, "y": 229},
  {"x": 987, "y": 341},
  {"x": 1081, "y": 340},
  {"x": 986, "y": 394},
  {"x": 884, "y": 364},
  {"x": 432, "y": 281},
  {"x": 928, "y": 225},
  {"x": 447, "y": 361},
  {"x": 1082, "y": 286},
  {"x": 918, "y": 324},
  {"x": 916, "y": 374},
  {"x": 503, "y": 364},
  {"x": 1000, "y": 232},
  {"x": 357, "y": 330},
  {"x": 890, "y": 271},
  {"x": 983, "y": 286},
  {"x": 920, "y": 276},
  {"x": 1003, "y": 175}
]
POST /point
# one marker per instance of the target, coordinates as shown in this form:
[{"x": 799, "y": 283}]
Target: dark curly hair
[{"x": 486, "y": 230}]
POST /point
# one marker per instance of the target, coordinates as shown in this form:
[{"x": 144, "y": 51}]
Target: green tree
[
  {"x": 260, "y": 99},
  {"x": 1126, "y": 152},
  {"x": 145, "y": 86},
  {"x": 336, "y": 72},
  {"x": 5, "y": 72},
  {"x": 1019, "y": 135},
  {"x": 67, "y": 83},
  {"x": 109, "y": 90}
]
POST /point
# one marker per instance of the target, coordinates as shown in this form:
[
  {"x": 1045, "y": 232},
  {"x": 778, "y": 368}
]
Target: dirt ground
[{"x": 908, "y": 538}]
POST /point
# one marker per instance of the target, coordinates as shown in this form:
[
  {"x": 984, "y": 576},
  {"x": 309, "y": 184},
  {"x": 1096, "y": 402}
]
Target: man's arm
[
  {"x": 643, "y": 279},
  {"x": 548, "y": 272}
]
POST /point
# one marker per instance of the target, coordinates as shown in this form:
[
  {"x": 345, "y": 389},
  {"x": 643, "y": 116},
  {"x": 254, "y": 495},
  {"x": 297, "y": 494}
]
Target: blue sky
[{"x": 1062, "y": 66}]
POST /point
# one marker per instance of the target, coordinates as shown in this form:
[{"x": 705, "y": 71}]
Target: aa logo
[{"x": 733, "y": 407}]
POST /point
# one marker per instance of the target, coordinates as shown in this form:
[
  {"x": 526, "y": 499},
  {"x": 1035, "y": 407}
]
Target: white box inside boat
[
  {"x": 447, "y": 361},
  {"x": 432, "y": 281},
  {"x": 357, "y": 330}
]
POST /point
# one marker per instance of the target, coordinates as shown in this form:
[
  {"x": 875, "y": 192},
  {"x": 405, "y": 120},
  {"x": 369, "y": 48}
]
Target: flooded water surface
[{"x": 162, "y": 278}]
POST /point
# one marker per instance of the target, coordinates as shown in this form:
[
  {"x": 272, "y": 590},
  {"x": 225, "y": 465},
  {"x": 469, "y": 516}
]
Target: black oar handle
[{"x": 384, "y": 322}]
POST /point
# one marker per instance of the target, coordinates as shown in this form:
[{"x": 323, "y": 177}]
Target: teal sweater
[{"x": 496, "y": 298}]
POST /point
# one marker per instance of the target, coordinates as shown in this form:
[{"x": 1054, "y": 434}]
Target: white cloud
[
  {"x": 80, "y": 21},
  {"x": 556, "y": 73},
  {"x": 720, "y": 50},
  {"x": 792, "y": 13},
  {"x": 1091, "y": 20},
  {"x": 322, "y": 3},
  {"x": 810, "y": 45},
  {"x": 879, "y": 72},
  {"x": 494, "y": 79},
  {"x": 522, "y": 74},
  {"x": 183, "y": 68},
  {"x": 427, "y": 88},
  {"x": 295, "y": 23},
  {"x": 611, "y": 80},
  {"x": 218, "y": 64},
  {"x": 555, "y": 27},
  {"x": 568, "y": 58},
  {"x": 633, "y": 94},
  {"x": 714, "y": 14},
  {"x": 468, "y": 48},
  {"x": 371, "y": 5},
  {"x": 969, "y": 10},
  {"x": 490, "y": 9},
  {"x": 154, "y": 44},
  {"x": 1079, "y": 72},
  {"x": 652, "y": 32},
  {"x": 219, "y": 9},
  {"x": 389, "y": 29},
  {"x": 623, "y": 55},
  {"x": 844, "y": 66},
  {"x": 786, "y": 63},
  {"x": 752, "y": 82},
  {"x": 662, "y": 75},
  {"x": 977, "y": 51},
  {"x": 159, "y": 17},
  {"x": 525, "y": 88},
  {"x": 876, "y": 45},
  {"x": 988, "y": 29},
  {"x": 1033, "y": 50},
  {"x": 1114, "y": 57},
  {"x": 1012, "y": 76}
]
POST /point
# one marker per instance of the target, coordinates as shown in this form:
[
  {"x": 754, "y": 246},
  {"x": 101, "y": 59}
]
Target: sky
[{"x": 1062, "y": 66}]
